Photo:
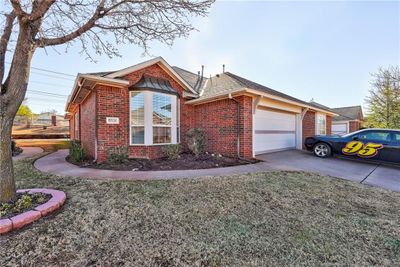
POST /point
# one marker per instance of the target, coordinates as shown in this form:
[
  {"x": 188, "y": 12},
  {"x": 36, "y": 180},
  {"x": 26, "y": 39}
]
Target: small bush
[
  {"x": 196, "y": 140},
  {"x": 76, "y": 151},
  {"x": 172, "y": 151},
  {"x": 14, "y": 149},
  {"x": 117, "y": 155}
]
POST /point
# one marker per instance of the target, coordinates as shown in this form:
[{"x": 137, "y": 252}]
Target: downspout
[{"x": 237, "y": 124}]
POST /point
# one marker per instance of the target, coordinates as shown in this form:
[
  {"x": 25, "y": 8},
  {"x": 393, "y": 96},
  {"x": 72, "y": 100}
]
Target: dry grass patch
[
  {"x": 278, "y": 219},
  {"x": 47, "y": 144}
]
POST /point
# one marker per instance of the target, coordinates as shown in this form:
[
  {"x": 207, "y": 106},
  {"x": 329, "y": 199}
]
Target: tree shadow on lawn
[{"x": 279, "y": 218}]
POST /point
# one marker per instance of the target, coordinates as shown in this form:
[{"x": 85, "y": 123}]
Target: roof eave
[
  {"x": 81, "y": 78},
  {"x": 256, "y": 93}
]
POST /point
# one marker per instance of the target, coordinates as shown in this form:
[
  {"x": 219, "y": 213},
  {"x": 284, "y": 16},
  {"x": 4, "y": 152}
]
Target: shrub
[
  {"x": 76, "y": 151},
  {"x": 196, "y": 140},
  {"x": 172, "y": 151},
  {"x": 117, "y": 155},
  {"x": 14, "y": 149},
  {"x": 25, "y": 202}
]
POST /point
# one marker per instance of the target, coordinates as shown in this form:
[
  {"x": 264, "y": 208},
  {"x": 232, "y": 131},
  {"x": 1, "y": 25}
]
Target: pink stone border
[{"x": 20, "y": 220}]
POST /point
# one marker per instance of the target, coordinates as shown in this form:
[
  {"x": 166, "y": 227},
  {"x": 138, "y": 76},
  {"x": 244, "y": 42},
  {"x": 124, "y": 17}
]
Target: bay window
[
  {"x": 320, "y": 124},
  {"x": 153, "y": 118}
]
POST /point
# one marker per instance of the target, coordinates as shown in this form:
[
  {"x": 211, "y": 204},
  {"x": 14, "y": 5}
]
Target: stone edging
[{"x": 20, "y": 220}]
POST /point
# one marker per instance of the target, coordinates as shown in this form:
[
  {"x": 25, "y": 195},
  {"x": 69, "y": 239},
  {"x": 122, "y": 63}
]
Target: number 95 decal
[{"x": 368, "y": 150}]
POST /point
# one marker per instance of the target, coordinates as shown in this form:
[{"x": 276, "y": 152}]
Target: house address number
[{"x": 112, "y": 120}]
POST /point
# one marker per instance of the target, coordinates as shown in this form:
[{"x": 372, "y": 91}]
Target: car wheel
[{"x": 322, "y": 150}]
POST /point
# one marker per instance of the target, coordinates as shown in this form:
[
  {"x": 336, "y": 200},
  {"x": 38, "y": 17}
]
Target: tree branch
[
  {"x": 4, "y": 40},
  {"x": 99, "y": 13}
]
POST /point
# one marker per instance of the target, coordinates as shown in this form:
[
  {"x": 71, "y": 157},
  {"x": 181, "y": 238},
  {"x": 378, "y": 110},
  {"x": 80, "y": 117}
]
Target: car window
[
  {"x": 396, "y": 137},
  {"x": 377, "y": 136}
]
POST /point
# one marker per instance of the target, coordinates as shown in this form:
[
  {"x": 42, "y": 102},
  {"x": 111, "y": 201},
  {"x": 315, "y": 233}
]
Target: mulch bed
[
  {"x": 20, "y": 205},
  {"x": 185, "y": 162}
]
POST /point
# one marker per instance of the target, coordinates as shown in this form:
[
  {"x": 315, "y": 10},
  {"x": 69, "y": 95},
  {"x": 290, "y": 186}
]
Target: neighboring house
[
  {"x": 151, "y": 104},
  {"x": 349, "y": 120},
  {"x": 49, "y": 118}
]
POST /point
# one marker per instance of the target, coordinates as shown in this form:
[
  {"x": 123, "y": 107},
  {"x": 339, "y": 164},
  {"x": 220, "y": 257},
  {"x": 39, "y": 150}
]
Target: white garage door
[
  {"x": 274, "y": 131},
  {"x": 339, "y": 128}
]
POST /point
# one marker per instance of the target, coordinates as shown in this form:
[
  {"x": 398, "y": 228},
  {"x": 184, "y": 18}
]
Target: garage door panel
[
  {"x": 274, "y": 131},
  {"x": 269, "y": 120},
  {"x": 272, "y": 142}
]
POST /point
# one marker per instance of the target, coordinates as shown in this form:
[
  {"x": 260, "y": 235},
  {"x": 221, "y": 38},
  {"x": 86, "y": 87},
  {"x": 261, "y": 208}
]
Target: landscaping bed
[
  {"x": 186, "y": 161},
  {"x": 24, "y": 202}
]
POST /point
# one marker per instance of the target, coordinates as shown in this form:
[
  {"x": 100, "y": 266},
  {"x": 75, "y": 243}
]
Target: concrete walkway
[
  {"x": 365, "y": 173},
  {"x": 28, "y": 152}
]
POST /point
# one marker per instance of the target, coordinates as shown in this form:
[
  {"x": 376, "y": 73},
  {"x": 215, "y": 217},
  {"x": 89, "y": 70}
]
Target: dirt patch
[{"x": 185, "y": 162}]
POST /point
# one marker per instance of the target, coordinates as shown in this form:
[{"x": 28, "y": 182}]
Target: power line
[
  {"x": 45, "y": 83},
  {"x": 47, "y": 93},
  {"x": 51, "y": 71},
  {"x": 52, "y": 76}
]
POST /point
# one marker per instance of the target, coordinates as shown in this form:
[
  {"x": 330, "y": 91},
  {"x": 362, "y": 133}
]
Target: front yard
[{"x": 282, "y": 218}]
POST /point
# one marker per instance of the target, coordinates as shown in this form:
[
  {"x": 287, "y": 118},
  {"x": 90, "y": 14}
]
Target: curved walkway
[
  {"x": 55, "y": 163},
  {"x": 28, "y": 152}
]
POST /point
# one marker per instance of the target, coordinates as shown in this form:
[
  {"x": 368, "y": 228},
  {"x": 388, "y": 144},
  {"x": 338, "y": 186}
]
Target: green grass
[{"x": 275, "y": 219}]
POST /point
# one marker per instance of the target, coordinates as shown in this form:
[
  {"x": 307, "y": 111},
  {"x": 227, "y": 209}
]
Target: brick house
[
  {"x": 349, "y": 119},
  {"x": 151, "y": 104}
]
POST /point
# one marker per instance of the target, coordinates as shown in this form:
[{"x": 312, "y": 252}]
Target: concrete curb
[{"x": 20, "y": 220}]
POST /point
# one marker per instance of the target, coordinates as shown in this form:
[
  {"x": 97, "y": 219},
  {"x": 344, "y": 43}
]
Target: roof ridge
[{"x": 356, "y": 106}]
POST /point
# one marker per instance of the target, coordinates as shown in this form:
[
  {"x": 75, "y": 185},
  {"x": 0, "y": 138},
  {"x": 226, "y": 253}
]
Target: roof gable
[
  {"x": 159, "y": 61},
  {"x": 348, "y": 113}
]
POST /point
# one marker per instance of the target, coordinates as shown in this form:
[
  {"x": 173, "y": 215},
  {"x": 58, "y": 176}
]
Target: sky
[{"x": 318, "y": 50}]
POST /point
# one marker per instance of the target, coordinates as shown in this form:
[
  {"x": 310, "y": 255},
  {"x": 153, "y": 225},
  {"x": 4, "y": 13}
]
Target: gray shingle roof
[
  {"x": 348, "y": 113},
  {"x": 225, "y": 83},
  {"x": 229, "y": 82},
  {"x": 191, "y": 78}
]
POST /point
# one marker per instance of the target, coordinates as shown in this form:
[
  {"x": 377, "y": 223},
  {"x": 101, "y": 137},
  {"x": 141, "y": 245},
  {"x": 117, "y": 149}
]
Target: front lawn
[{"x": 274, "y": 219}]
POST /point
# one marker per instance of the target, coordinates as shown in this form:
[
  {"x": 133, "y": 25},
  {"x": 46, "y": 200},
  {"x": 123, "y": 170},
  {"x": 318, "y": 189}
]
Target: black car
[{"x": 368, "y": 144}]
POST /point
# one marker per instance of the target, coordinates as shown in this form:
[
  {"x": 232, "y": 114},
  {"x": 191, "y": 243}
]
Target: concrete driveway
[{"x": 366, "y": 173}]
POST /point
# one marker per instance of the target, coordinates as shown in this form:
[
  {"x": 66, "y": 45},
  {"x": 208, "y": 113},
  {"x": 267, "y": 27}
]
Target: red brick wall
[
  {"x": 328, "y": 125},
  {"x": 354, "y": 126},
  {"x": 114, "y": 102},
  {"x": 111, "y": 102},
  {"x": 88, "y": 122},
  {"x": 308, "y": 124},
  {"x": 246, "y": 126},
  {"x": 219, "y": 121}
]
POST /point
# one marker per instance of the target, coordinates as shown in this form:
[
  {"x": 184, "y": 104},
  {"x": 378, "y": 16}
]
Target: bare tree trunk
[
  {"x": 7, "y": 184},
  {"x": 14, "y": 89}
]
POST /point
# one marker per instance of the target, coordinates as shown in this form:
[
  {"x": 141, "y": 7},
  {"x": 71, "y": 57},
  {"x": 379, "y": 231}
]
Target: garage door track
[{"x": 366, "y": 173}]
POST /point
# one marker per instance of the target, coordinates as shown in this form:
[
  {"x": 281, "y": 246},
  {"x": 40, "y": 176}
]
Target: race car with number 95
[{"x": 369, "y": 144}]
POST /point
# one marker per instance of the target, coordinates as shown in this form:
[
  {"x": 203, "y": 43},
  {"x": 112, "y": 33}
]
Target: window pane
[
  {"x": 321, "y": 124},
  {"x": 137, "y": 135},
  {"x": 137, "y": 108},
  {"x": 162, "y": 114},
  {"x": 378, "y": 136},
  {"x": 161, "y": 135}
]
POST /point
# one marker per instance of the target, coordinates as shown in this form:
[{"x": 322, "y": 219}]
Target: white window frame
[
  {"x": 148, "y": 119},
  {"x": 317, "y": 130}
]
